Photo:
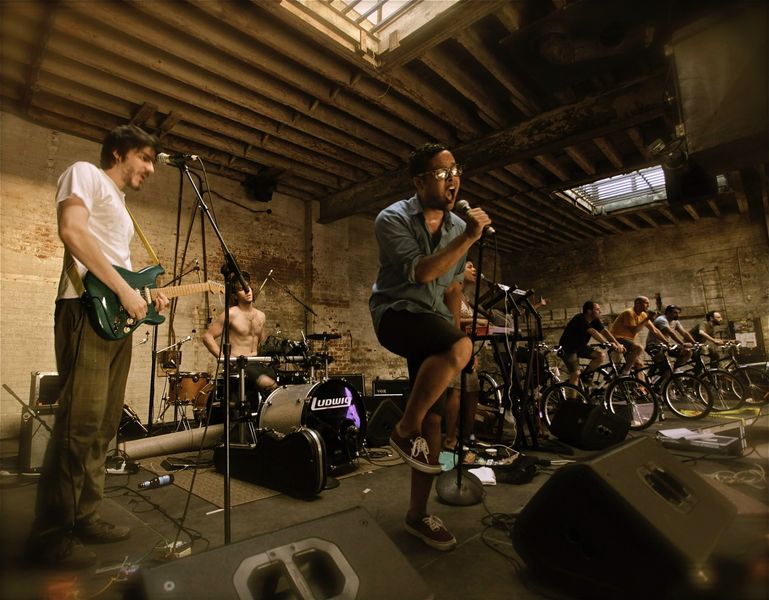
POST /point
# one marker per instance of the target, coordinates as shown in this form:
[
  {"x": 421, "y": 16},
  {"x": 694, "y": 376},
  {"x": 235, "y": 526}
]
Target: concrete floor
[{"x": 484, "y": 566}]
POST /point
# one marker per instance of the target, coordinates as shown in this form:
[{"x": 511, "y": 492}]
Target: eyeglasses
[{"x": 444, "y": 173}]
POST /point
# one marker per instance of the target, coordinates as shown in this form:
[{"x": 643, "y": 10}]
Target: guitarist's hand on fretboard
[{"x": 161, "y": 302}]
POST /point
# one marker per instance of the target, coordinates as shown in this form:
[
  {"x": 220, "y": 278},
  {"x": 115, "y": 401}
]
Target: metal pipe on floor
[{"x": 179, "y": 441}]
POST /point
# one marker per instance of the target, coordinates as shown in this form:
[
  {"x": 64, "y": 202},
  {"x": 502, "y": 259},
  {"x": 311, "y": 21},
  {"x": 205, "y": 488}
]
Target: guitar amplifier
[
  {"x": 33, "y": 434},
  {"x": 356, "y": 380},
  {"x": 395, "y": 390}
]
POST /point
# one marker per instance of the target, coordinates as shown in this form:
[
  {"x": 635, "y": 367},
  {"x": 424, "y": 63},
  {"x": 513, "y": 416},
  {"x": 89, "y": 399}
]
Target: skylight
[
  {"x": 629, "y": 190},
  {"x": 367, "y": 27}
]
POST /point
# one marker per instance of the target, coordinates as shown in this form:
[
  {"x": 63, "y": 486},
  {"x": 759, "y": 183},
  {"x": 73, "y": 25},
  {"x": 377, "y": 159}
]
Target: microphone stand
[
  {"x": 468, "y": 490},
  {"x": 232, "y": 273},
  {"x": 290, "y": 293}
]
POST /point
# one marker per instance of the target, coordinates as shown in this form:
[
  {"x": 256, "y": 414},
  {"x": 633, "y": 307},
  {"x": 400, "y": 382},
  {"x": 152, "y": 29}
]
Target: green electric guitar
[{"x": 109, "y": 318}]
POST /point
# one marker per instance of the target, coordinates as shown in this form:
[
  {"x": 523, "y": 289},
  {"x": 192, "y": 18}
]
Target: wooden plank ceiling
[{"x": 534, "y": 96}]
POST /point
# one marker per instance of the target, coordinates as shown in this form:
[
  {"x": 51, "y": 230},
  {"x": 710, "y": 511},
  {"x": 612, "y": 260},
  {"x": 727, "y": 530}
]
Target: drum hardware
[
  {"x": 170, "y": 357},
  {"x": 323, "y": 355},
  {"x": 324, "y": 337}
]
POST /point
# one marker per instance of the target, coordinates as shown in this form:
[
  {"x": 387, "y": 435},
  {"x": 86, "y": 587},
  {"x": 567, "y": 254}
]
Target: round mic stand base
[{"x": 466, "y": 492}]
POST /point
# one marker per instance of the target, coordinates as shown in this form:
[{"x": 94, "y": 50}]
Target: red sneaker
[
  {"x": 433, "y": 532},
  {"x": 416, "y": 453}
]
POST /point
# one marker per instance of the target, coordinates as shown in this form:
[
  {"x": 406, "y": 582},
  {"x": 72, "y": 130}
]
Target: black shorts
[
  {"x": 415, "y": 336},
  {"x": 571, "y": 359}
]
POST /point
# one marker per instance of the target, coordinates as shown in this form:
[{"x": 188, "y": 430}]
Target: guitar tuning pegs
[
  {"x": 126, "y": 330},
  {"x": 129, "y": 321}
]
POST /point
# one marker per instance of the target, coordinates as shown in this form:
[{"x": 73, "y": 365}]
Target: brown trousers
[{"x": 93, "y": 374}]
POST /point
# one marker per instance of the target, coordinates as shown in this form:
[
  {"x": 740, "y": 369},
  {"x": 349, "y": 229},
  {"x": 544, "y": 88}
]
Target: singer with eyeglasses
[
  {"x": 414, "y": 307},
  {"x": 247, "y": 332},
  {"x": 96, "y": 229}
]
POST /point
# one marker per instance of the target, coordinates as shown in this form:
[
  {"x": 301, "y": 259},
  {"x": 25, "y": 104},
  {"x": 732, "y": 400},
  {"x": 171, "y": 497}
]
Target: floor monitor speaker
[
  {"x": 588, "y": 426},
  {"x": 382, "y": 422},
  {"x": 342, "y": 556},
  {"x": 633, "y": 522}
]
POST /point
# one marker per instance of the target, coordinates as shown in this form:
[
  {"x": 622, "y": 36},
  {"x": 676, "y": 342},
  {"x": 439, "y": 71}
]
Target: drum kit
[{"x": 305, "y": 396}]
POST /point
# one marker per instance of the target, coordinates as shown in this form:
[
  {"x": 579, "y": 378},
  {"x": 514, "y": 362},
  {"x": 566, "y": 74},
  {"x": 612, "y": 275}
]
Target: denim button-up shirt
[{"x": 403, "y": 240}]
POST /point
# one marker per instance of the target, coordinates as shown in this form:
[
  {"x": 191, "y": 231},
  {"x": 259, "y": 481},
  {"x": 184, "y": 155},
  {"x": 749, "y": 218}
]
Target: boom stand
[
  {"x": 231, "y": 272},
  {"x": 464, "y": 489}
]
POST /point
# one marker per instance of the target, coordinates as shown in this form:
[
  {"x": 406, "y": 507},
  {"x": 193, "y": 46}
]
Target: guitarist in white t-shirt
[{"x": 96, "y": 230}]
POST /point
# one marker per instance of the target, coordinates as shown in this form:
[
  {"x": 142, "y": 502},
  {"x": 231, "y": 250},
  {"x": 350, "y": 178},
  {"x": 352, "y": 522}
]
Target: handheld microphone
[
  {"x": 463, "y": 206},
  {"x": 176, "y": 159}
]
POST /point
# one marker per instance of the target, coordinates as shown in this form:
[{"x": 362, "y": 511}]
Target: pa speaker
[
  {"x": 588, "y": 426},
  {"x": 382, "y": 422},
  {"x": 633, "y": 522},
  {"x": 343, "y": 556}
]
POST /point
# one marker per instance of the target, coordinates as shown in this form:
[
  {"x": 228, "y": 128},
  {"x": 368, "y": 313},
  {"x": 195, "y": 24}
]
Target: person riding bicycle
[
  {"x": 704, "y": 332},
  {"x": 672, "y": 329},
  {"x": 575, "y": 337},
  {"x": 626, "y": 327}
]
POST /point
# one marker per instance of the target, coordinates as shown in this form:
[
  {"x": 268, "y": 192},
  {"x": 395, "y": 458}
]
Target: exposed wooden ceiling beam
[
  {"x": 143, "y": 115},
  {"x": 627, "y": 221},
  {"x": 647, "y": 217},
  {"x": 581, "y": 159},
  {"x": 668, "y": 214},
  {"x": 527, "y": 174},
  {"x": 441, "y": 62},
  {"x": 551, "y": 164},
  {"x": 689, "y": 208},
  {"x": 521, "y": 96},
  {"x": 609, "y": 151},
  {"x": 636, "y": 137},
  {"x": 554, "y": 129}
]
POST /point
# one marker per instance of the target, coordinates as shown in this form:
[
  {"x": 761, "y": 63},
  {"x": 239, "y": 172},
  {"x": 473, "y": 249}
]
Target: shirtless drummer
[{"x": 247, "y": 332}]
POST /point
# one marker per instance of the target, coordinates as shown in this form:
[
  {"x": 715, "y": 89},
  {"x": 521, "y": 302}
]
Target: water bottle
[{"x": 156, "y": 482}]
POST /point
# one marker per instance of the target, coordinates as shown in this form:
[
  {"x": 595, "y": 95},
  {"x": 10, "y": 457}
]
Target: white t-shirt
[{"x": 108, "y": 218}]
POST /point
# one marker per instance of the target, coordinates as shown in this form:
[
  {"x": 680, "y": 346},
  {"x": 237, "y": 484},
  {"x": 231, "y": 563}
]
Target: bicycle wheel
[
  {"x": 632, "y": 399},
  {"x": 756, "y": 382},
  {"x": 687, "y": 396},
  {"x": 490, "y": 393},
  {"x": 728, "y": 391},
  {"x": 554, "y": 395}
]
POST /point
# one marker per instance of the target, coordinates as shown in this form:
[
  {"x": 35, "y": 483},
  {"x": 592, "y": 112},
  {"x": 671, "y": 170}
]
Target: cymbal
[{"x": 324, "y": 336}]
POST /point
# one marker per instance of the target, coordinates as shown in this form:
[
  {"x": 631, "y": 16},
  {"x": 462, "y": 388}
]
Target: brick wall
[{"x": 339, "y": 273}]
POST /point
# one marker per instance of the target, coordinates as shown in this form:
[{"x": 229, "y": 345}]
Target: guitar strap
[{"x": 74, "y": 275}]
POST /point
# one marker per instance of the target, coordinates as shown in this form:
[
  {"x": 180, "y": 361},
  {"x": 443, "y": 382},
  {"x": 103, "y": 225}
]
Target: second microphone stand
[{"x": 464, "y": 489}]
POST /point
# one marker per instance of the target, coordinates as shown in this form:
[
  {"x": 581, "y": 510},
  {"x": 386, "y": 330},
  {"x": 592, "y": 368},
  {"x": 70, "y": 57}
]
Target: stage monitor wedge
[{"x": 343, "y": 556}]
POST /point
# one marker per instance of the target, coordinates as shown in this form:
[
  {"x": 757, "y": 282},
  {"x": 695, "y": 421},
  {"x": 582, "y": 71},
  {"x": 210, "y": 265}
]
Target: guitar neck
[{"x": 180, "y": 290}]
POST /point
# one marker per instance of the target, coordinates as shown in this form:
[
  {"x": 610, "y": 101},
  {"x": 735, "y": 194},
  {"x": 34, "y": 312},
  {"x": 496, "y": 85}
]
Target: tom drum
[{"x": 186, "y": 385}]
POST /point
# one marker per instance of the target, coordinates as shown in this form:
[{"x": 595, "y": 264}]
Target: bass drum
[{"x": 333, "y": 408}]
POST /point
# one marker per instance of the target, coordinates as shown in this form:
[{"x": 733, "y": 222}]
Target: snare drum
[
  {"x": 185, "y": 386},
  {"x": 333, "y": 408}
]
